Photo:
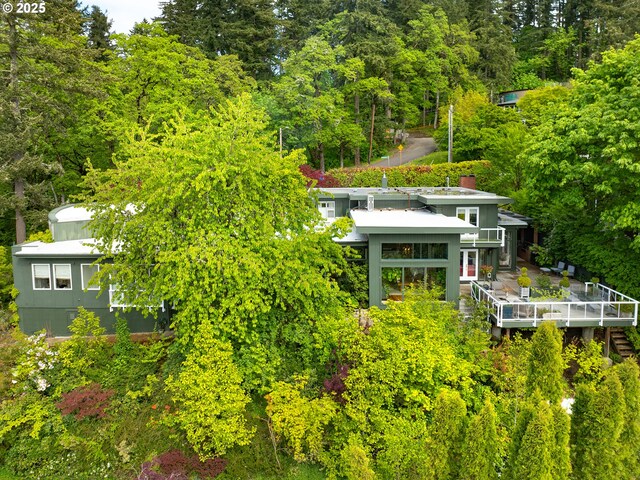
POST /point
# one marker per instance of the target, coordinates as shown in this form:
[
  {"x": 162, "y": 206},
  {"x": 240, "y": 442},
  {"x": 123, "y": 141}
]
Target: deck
[{"x": 593, "y": 305}]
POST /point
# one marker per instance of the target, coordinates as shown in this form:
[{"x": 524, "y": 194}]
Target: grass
[{"x": 432, "y": 159}]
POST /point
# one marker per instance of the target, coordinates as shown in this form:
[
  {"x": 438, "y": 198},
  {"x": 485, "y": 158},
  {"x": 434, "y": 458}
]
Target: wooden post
[
  {"x": 607, "y": 341},
  {"x": 373, "y": 121}
]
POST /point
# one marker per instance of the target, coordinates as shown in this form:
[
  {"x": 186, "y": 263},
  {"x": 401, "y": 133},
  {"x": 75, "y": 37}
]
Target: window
[
  {"x": 468, "y": 214},
  {"x": 415, "y": 250},
  {"x": 327, "y": 209},
  {"x": 62, "y": 277},
  {"x": 88, "y": 272},
  {"x": 396, "y": 279},
  {"x": 41, "y": 277}
]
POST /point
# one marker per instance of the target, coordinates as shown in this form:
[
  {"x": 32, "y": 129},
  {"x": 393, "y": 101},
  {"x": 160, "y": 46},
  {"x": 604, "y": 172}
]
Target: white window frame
[
  {"x": 88, "y": 287},
  {"x": 55, "y": 287},
  {"x": 33, "y": 275},
  {"x": 467, "y": 214},
  {"x": 327, "y": 209}
]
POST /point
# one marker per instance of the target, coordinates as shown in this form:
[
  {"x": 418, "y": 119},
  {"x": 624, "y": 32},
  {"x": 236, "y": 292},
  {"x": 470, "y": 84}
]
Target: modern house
[
  {"x": 408, "y": 236},
  {"x": 54, "y": 279},
  {"x": 434, "y": 236}
]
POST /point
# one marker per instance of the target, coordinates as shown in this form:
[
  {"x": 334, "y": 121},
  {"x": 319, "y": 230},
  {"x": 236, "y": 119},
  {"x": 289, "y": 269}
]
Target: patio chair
[
  {"x": 572, "y": 270},
  {"x": 558, "y": 269}
]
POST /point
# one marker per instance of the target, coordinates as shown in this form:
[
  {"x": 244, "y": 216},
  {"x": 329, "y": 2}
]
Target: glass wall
[{"x": 395, "y": 280}]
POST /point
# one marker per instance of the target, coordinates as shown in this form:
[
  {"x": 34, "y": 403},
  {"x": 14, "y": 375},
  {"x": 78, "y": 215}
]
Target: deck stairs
[{"x": 621, "y": 343}]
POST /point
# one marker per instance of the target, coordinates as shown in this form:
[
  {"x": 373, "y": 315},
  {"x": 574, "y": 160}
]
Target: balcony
[
  {"x": 492, "y": 236},
  {"x": 595, "y": 306}
]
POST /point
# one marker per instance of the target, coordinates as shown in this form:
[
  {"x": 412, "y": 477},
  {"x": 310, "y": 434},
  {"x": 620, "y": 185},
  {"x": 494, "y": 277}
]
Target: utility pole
[{"x": 450, "y": 133}]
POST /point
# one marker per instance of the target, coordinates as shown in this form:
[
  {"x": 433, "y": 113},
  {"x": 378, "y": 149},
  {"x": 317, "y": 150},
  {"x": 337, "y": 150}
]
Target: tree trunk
[
  {"x": 435, "y": 119},
  {"x": 373, "y": 121},
  {"x": 356, "y": 110},
  {"x": 321, "y": 154},
  {"x": 341, "y": 155},
  {"x": 425, "y": 97},
  {"x": 18, "y": 183}
]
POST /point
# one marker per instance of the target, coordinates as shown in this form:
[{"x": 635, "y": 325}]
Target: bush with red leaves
[
  {"x": 175, "y": 465},
  {"x": 87, "y": 401},
  {"x": 321, "y": 179}
]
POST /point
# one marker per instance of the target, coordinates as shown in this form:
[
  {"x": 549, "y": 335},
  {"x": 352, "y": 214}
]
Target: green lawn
[{"x": 432, "y": 159}]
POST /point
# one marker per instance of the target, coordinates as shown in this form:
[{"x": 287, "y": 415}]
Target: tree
[
  {"x": 629, "y": 374},
  {"x": 583, "y": 170},
  {"x": 546, "y": 364},
  {"x": 46, "y": 69},
  {"x": 597, "y": 423},
  {"x": 480, "y": 455},
  {"x": 209, "y": 399},
  {"x": 448, "y": 432},
  {"x": 99, "y": 31},
  {"x": 223, "y": 238}
]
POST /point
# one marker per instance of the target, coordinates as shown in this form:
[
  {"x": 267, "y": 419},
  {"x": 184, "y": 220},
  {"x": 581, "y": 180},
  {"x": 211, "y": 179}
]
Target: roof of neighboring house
[
  {"x": 69, "y": 213},
  {"x": 66, "y": 248},
  {"x": 408, "y": 221}
]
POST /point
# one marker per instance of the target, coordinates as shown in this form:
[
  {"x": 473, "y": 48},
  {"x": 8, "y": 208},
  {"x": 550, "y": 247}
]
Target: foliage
[
  {"x": 210, "y": 402},
  {"x": 523, "y": 280},
  {"x": 299, "y": 419},
  {"x": 231, "y": 240},
  {"x": 6, "y": 277},
  {"x": 87, "y": 401},
  {"x": 175, "y": 464},
  {"x": 595, "y": 450},
  {"x": 34, "y": 364},
  {"x": 480, "y": 455},
  {"x": 317, "y": 178},
  {"x": 546, "y": 364},
  {"x": 564, "y": 281},
  {"x": 413, "y": 176},
  {"x": 582, "y": 172}
]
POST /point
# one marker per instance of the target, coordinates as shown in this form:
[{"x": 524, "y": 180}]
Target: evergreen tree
[
  {"x": 45, "y": 75},
  {"x": 546, "y": 364},
  {"x": 99, "y": 31},
  {"x": 597, "y": 423},
  {"x": 480, "y": 455},
  {"x": 448, "y": 433},
  {"x": 629, "y": 374}
]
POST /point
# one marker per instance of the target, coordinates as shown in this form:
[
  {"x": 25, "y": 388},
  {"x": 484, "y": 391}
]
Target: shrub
[
  {"x": 317, "y": 178},
  {"x": 89, "y": 401},
  {"x": 523, "y": 280},
  {"x": 175, "y": 465},
  {"x": 564, "y": 281},
  {"x": 414, "y": 175}
]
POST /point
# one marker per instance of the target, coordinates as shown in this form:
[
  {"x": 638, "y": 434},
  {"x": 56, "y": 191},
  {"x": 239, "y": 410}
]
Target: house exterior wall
[
  {"x": 376, "y": 262},
  {"x": 54, "y": 309}
]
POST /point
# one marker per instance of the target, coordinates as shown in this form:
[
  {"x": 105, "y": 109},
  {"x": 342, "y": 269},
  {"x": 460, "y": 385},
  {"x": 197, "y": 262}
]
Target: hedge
[{"x": 415, "y": 175}]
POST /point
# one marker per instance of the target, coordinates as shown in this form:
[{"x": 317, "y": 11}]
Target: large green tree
[
  {"x": 210, "y": 218},
  {"x": 584, "y": 170},
  {"x": 45, "y": 73}
]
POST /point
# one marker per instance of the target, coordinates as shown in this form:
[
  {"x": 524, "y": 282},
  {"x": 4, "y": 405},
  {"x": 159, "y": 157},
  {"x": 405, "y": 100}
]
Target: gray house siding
[{"x": 54, "y": 309}]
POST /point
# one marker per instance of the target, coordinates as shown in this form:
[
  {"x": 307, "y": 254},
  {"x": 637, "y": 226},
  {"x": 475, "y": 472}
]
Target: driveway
[{"x": 415, "y": 147}]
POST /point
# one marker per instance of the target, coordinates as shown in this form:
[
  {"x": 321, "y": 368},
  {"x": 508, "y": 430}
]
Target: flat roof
[
  {"x": 427, "y": 195},
  {"x": 408, "y": 221},
  {"x": 65, "y": 248}
]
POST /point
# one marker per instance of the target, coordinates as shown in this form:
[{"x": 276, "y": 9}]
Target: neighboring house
[
  {"x": 54, "y": 279},
  {"x": 431, "y": 235},
  {"x": 510, "y": 98}
]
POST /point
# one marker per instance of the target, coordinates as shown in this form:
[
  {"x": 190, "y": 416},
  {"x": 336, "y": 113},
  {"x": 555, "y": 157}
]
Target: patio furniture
[
  {"x": 545, "y": 270},
  {"x": 572, "y": 270},
  {"x": 558, "y": 269}
]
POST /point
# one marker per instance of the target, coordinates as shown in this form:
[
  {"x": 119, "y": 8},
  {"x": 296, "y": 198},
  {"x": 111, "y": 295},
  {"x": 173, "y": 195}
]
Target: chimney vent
[
  {"x": 384, "y": 181},
  {"x": 468, "y": 181},
  {"x": 370, "y": 203}
]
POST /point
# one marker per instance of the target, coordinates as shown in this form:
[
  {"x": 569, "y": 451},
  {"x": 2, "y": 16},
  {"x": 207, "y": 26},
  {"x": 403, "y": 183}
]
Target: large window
[
  {"x": 415, "y": 250},
  {"x": 88, "y": 272},
  {"x": 468, "y": 214},
  {"x": 62, "y": 277},
  {"x": 41, "y": 276},
  {"x": 395, "y": 280}
]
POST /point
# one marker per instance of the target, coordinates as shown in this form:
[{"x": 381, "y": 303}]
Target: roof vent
[
  {"x": 384, "y": 181},
  {"x": 370, "y": 203}
]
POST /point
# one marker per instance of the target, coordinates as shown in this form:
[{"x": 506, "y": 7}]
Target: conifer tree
[
  {"x": 546, "y": 364},
  {"x": 597, "y": 423},
  {"x": 629, "y": 374},
  {"x": 480, "y": 455},
  {"x": 448, "y": 429}
]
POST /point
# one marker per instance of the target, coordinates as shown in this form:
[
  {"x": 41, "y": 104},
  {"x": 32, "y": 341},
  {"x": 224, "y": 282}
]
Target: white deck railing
[
  {"x": 604, "y": 304},
  {"x": 493, "y": 235},
  {"x": 116, "y": 300}
]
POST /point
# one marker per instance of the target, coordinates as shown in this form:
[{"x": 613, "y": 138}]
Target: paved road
[{"x": 415, "y": 147}]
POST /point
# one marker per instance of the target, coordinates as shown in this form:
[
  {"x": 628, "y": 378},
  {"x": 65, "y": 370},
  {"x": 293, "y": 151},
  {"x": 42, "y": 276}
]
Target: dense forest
[{"x": 198, "y": 113}]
